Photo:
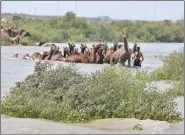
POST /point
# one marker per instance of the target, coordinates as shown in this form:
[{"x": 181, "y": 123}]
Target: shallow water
[{"x": 13, "y": 70}]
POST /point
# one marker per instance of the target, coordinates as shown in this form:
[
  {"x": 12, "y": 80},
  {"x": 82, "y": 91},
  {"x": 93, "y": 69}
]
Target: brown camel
[
  {"x": 83, "y": 47},
  {"x": 13, "y": 32},
  {"x": 79, "y": 58},
  {"x": 100, "y": 56},
  {"x": 93, "y": 56},
  {"x": 54, "y": 54},
  {"x": 15, "y": 55},
  {"x": 107, "y": 52},
  {"x": 5, "y": 35},
  {"x": 73, "y": 57},
  {"x": 71, "y": 47},
  {"x": 122, "y": 54},
  {"x": 23, "y": 33},
  {"x": 27, "y": 56},
  {"x": 39, "y": 56}
]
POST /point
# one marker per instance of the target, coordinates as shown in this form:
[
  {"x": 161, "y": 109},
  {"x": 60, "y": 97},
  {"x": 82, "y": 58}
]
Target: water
[{"x": 13, "y": 70}]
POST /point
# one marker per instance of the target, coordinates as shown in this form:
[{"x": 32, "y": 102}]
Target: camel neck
[{"x": 125, "y": 44}]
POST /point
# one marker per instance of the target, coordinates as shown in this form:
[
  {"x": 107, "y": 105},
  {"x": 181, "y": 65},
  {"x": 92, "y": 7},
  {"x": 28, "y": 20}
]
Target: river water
[{"x": 13, "y": 70}]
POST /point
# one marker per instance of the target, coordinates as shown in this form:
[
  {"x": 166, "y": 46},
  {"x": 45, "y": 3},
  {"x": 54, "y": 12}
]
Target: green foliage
[
  {"x": 63, "y": 94},
  {"x": 138, "y": 127},
  {"x": 5, "y": 42},
  {"x": 27, "y": 41},
  {"x": 71, "y": 28},
  {"x": 173, "y": 67},
  {"x": 178, "y": 87}
]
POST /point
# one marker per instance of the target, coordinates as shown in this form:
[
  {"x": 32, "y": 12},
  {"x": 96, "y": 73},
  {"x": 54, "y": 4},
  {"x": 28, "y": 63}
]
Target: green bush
[
  {"x": 178, "y": 87},
  {"x": 4, "y": 42},
  {"x": 63, "y": 94},
  {"x": 173, "y": 68},
  {"x": 26, "y": 41}
]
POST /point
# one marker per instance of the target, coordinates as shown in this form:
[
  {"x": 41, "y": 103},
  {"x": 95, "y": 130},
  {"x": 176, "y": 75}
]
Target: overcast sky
[{"x": 141, "y": 10}]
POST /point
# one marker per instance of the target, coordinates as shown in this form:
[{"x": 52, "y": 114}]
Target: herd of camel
[{"x": 99, "y": 53}]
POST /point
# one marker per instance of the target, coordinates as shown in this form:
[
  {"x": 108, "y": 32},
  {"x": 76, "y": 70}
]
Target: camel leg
[
  {"x": 17, "y": 41},
  {"x": 121, "y": 62},
  {"x": 129, "y": 60},
  {"x": 111, "y": 62}
]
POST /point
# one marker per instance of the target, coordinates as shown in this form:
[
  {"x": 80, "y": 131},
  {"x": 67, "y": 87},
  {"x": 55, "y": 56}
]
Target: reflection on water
[{"x": 13, "y": 70}]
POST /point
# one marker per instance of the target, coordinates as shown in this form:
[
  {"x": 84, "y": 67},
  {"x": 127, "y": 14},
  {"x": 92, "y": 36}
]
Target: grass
[{"x": 63, "y": 94}]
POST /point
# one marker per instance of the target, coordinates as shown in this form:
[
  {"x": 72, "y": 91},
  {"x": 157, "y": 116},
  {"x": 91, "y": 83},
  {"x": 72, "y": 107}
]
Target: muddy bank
[{"x": 104, "y": 126}]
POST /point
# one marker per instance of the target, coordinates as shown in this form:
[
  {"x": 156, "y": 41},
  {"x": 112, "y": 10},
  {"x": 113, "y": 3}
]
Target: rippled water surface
[{"x": 13, "y": 70}]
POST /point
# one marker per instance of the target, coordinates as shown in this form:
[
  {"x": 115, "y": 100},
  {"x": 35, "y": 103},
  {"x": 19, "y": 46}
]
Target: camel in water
[
  {"x": 121, "y": 55},
  {"x": 26, "y": 56}
]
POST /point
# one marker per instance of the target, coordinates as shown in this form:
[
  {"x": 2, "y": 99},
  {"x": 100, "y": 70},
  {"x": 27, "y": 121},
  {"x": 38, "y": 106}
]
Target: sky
[{"x": 131, "y": 10}]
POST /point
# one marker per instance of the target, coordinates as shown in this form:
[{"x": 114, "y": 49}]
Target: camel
[
  {"x": 28, "y": 57},
  {"x": 41, "y": 43},
  {"x": 107, "y": 52},
  {"x": 80, "y": 58},
  {"x": 71, "y": 47},
  {"x": 100, "y": 56},
  {"x": 93, "y": 53},
  {"x": 83, "y": 47},
  {"x": 15, "y": 55},
  {"x": 5, "y": 35},
  {"x": 54, "y": 54},
  {"x": 39, "y": 56},
  {"x": 13, "y": 32},
  {"x": 74, "y": 56},
  {"x": 121, "y": 55}
]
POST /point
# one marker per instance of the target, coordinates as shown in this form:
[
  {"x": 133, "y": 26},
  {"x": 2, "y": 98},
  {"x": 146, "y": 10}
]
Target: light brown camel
[
  {"x": 5, "y": 35},
  {"x": 121, "y": 55}
]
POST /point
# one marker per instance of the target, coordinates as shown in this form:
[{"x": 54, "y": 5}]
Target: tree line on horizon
[{"x": 70, "y": 28}]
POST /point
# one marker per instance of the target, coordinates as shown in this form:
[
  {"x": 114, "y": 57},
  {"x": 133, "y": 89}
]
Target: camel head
[
  {"x": 71, "y": 47},
  {"x": 24, "y": 33},
  {"x": 44, "y": 55},
  {"x": 66, "y": 51},
  {"x": 16, "y": 55},
  {"x": 100, "y": 51},
  {"x": 83, "y": 47},
  {"x": 41, "y": 43}
]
